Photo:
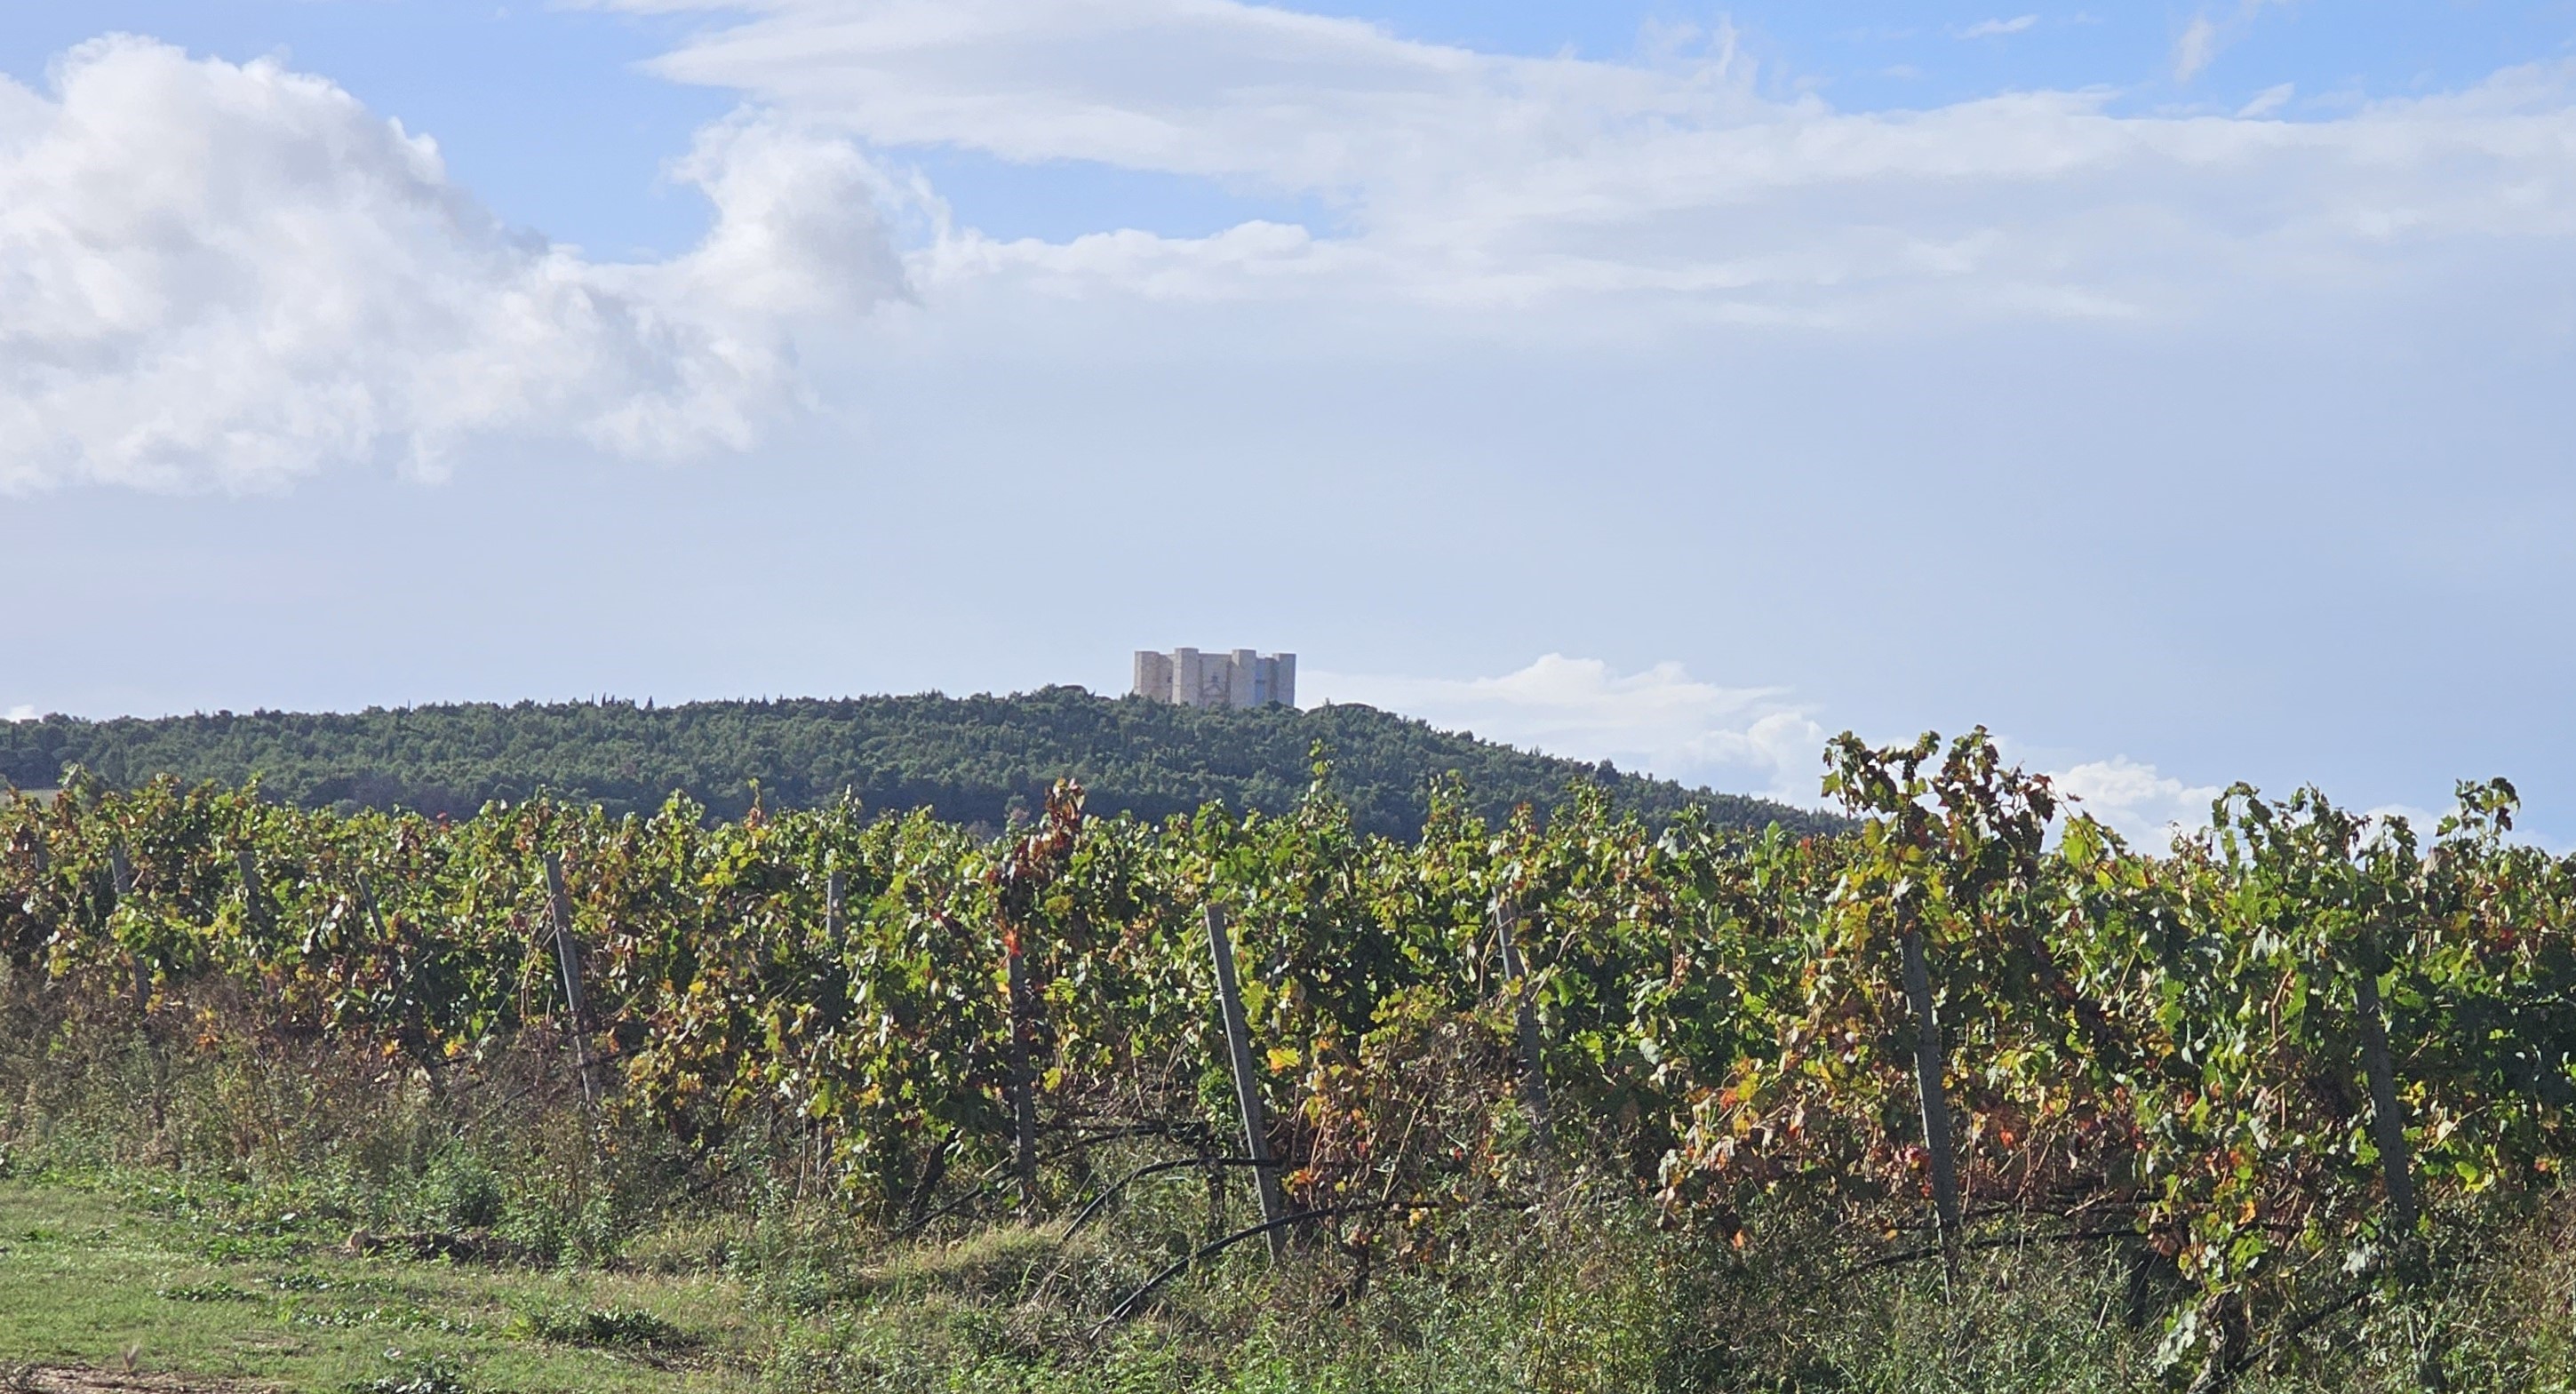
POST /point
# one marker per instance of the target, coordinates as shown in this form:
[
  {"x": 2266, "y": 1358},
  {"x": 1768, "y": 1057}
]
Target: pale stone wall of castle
[
  {"x": 1153, "y": 674},
  {"x": 1243, "y": 678}
]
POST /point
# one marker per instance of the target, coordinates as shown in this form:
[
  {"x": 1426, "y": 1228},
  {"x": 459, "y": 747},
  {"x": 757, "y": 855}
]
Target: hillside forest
[{"x": 971, "y": 760}]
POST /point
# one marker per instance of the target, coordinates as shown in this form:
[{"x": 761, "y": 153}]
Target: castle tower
[{"x": 1238, "y": 679}]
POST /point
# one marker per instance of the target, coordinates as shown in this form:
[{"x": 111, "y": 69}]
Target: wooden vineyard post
[
  {"x": 1247, "y": 1083},
  {"x": 1024, "y": 1092},
  {"x": 568, "y": 963},
  {"x": 1507, "y": 915},
  {"x": 2387, "y": 1128},
  {"x": 1927, "y": 1083}
]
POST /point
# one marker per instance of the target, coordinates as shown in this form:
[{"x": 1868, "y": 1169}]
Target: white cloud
[
  {"x": 2422, "y": 821},
  {"x": 1668, "y": 187},
  {"x": 19, "y": 713},
  {"x": 1994, "y": 28},
  {"x": 1660, "y": 721},
  {"x": 2201, "y": 40},
  {"x": 235, "y": 275},
  {"x": 2193, "y": 49},
  {"x": 1759, "y": 740},
  {"x": 220, "y": 275},
  {"x": 2151, "y": 808},
  {"x": 2139, "y": 801},
  {"x": 2268, "y": 101}
]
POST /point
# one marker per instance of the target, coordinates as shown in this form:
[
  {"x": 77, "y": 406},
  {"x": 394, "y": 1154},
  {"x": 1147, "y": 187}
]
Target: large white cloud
[
  {"x": 230, "y": 275},
  {"x": 1664, "y": 722},
  {"x": 235, "y": 274},
  {"x": 1464, "y": 177},
  {"x": 2141, "y": 801},
  {"x": 1660, "y": 721}
]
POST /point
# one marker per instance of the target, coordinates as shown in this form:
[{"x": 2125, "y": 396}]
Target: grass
[
  {"x": 99, "y": 1269},
  {"x": 285, "y": 1223},
  {"x": 88, "y": 1278}
]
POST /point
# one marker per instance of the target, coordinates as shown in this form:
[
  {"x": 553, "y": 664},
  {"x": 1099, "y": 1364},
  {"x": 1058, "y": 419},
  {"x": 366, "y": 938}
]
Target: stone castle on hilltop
[{"x": 1189, "y": 678}]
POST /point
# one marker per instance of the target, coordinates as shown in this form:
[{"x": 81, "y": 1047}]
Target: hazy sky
[{"x": 2183, "y": 392}]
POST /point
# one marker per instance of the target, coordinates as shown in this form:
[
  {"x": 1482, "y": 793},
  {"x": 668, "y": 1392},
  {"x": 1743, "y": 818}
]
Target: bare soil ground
[{"x": 64, "y": 1379}]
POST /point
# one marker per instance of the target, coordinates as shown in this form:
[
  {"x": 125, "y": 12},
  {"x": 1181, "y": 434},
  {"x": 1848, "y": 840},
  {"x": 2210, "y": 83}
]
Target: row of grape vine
[{"x": 2167, "y": 1047}]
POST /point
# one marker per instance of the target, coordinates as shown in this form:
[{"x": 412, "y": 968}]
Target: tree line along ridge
[{"x": 971, "y": 760}]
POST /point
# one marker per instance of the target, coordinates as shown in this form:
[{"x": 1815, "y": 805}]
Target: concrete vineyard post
[
  {"x": 1927, "y": 1084},
  {"x": 1533, "y": 1061},
  {"x": 120, "y": 884},
  {"x": 568, "y": 963},
  {"x": 254, "y": 904},
  {"x": 1247, "y": 1083},
  {"x": 833, "y": 891},
  {"x": 1024, "y": 1101},
  {"x": 2387, "y": 1126}
]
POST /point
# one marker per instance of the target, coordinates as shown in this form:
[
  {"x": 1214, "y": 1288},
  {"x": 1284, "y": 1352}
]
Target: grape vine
[{"x": 2299, "y": 1051}]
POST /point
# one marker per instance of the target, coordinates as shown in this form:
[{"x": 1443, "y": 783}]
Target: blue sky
[
  {"x": 542, "y": 109},
  {"x": 2178, "y": 390}
]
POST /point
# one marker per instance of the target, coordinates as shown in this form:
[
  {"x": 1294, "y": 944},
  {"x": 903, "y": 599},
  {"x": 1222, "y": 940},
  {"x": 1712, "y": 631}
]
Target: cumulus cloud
[
  {"x": 1660, "y": 721},
  {"x": 1664, "y": 722},
  {"x": 19, "y": 713},
  {"x": 217, "y": 275},
  {"x": 2151, "y": 808},
  {"x": 2420, "y": 819},
  {"x": 228, "y": 276},
  {"x": 1670, "y": 183},
  {"x": 2141, "y": 802}
]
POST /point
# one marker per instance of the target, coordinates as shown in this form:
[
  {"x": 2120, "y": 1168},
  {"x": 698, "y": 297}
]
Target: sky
[{"x": 2178, "y": 390}]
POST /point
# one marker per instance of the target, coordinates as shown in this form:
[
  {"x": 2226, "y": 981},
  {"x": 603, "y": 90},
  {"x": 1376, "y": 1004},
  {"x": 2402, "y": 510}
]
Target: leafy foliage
[
  {"x": 969, "y": 760},
  {"x": 2164, "y": 1051},
  {"x": 611, "y": 1328}
]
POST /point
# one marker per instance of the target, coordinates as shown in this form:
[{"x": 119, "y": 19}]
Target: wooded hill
[{"x": 979, "y": 759}]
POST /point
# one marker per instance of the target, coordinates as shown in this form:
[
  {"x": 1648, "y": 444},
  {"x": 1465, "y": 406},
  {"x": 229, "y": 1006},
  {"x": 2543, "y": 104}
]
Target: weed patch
[
  {"x": 613, "y": 1328},
  {"x": 216, "y": 1291},
  {"x": 417, "y": 1375}
]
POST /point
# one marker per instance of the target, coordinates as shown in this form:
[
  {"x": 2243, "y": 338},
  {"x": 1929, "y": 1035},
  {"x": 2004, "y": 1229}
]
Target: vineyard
[{"x": 2286, "y": 1071}]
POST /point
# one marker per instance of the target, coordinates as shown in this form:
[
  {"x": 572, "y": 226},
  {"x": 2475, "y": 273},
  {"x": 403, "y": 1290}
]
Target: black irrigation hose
[
  {"x": 972, "y": 1197},
  {"x": 996, "y": 1176},
  {"x": 1127, "y": 1306},
  {"x": 2234, "y": 1370},
  {"x": 2223, "y": 1379},
  {"x": 597, "y": 1063},
  {"x": 1112, "y": 1192},
  {"x": 2302, "y": 1325},
  {"x": 1997, "y": 1241}
]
